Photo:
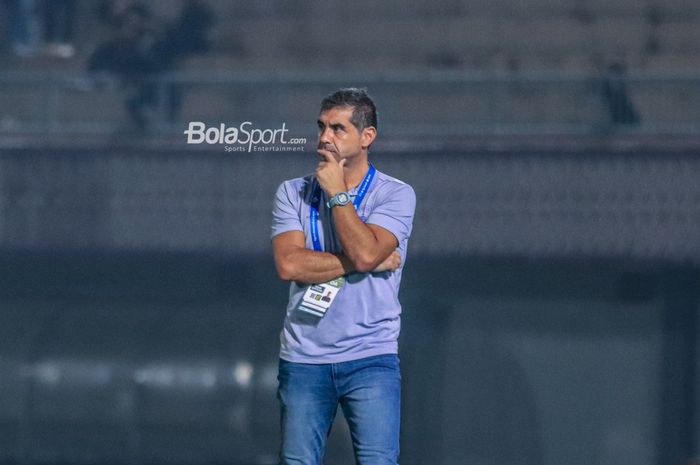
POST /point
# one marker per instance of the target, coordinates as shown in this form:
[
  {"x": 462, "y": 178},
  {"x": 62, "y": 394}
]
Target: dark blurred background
[{"x": 551, "y": 291}]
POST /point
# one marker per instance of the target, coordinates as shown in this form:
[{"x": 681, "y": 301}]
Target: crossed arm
[{"x": 367, "y": 248}]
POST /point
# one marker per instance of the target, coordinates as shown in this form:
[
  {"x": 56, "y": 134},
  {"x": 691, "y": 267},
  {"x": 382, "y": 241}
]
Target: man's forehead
[{"x": 336, "y": 114}]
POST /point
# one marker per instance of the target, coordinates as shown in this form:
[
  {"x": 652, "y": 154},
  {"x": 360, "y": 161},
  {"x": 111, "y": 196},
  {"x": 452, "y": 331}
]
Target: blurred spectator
[
  {"x": 616, "y": 97},
  {"x": 22, "y": 26},
  {"x": 140, "y": 51},
  {"x": 127, "y": 55},
  {"x": 188, "y": 35},
  {"x": 59, "y": 20},
  {"x": 111, "y": 12},
  {"x": 654, "y": 17}
]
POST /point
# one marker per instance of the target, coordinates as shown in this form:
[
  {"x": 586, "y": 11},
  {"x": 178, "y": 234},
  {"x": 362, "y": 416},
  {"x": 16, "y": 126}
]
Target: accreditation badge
[{"x": 318, "y": 298}]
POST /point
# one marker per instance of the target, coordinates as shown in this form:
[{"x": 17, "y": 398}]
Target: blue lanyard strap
[
  {"x": 316, "y": 199},
  {"x": 364, "y": 185}
]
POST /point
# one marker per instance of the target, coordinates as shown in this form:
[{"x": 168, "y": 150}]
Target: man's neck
[{"x": 355, "y": 173}]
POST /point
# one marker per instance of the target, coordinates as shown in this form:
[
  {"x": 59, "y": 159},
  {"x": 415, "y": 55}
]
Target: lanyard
[{"x": 316, "y": 199}]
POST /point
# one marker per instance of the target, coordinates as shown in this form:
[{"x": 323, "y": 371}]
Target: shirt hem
[{"x": 320, "y": 360}]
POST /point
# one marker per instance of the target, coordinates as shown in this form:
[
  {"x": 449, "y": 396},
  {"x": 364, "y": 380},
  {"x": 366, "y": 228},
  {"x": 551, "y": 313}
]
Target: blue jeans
[{"x": 369, "y": 392}]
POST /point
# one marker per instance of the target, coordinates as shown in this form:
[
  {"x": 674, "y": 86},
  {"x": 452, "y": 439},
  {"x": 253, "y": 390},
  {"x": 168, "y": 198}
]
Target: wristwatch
[{"x": 341, "y": 198}]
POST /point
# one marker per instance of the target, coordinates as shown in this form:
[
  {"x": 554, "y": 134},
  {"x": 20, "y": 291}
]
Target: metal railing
[{"x": 418, "y": 103}]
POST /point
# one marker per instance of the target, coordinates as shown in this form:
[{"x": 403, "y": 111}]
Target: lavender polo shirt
[{"x": 365, "y": 317}]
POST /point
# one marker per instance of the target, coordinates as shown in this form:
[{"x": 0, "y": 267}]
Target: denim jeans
[{"x": 369, "y": 392}]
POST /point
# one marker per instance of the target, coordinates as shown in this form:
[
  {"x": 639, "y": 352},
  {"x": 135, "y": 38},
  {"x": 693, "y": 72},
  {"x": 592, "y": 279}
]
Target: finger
[
  {"x": 327, "y": 155},
  {"x": 342, "y": 162}
]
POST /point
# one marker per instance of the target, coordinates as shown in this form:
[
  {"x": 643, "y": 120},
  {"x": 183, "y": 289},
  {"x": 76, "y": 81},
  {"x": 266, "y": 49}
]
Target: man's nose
[{"x": 325, "y": 135}]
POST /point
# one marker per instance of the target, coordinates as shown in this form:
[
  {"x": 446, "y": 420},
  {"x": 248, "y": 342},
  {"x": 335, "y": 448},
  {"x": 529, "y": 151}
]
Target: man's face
[{"x": 337, "y": 135}]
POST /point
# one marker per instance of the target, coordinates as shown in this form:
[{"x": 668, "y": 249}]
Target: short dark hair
[{"x": 364, "y": 113}]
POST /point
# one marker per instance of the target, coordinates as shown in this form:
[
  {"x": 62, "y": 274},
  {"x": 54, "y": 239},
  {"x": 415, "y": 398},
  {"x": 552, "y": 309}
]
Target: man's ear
[{"x": 368, "y": 136}]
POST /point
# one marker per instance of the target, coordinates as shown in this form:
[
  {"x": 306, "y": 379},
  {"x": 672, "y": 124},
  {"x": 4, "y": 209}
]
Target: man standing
[{"x": 340, "y": 237}]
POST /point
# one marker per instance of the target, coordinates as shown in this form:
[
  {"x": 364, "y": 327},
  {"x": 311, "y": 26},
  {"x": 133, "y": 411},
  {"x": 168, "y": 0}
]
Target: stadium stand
[
  {"x": 505, "y": 37},
  {"x": 403, "y": 35}
]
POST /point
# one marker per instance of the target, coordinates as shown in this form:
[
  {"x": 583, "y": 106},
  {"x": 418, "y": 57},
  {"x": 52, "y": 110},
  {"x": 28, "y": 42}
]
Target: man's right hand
[{"x": 392, "y": 262}]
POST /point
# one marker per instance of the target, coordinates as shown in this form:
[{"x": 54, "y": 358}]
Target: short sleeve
[
  {"x": 394, "y": 210},
  {"x": 285, "y": 211}
]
